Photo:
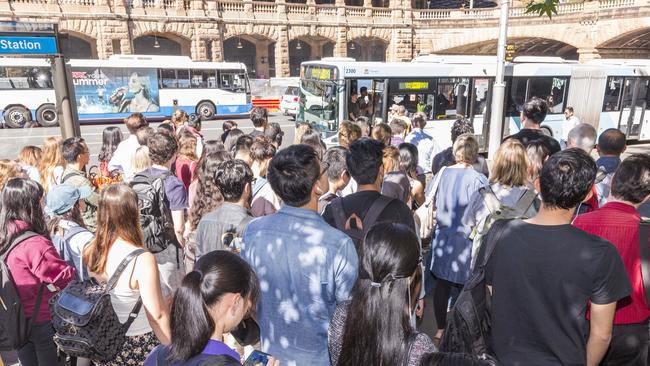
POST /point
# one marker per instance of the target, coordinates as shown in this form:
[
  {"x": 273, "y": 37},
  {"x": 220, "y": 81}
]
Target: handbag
[
  {"x": 426, "y": 214},
  {"x": 644, "y": 229}
]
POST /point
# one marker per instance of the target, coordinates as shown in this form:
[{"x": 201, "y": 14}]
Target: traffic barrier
[{"x": 273, "y": 105}]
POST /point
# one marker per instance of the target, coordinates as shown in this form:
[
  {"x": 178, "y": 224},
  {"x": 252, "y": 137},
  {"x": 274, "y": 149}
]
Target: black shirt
[
  {"x": 527, "y": 135},
  {"x": 542, "y": 278},
  {"x": 353, "y": 108},
  {"x": 360, "y": 202},
  {"x": 256, "y": 133}
]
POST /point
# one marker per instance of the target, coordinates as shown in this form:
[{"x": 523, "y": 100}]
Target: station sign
[{"x": 20, "y": 45}]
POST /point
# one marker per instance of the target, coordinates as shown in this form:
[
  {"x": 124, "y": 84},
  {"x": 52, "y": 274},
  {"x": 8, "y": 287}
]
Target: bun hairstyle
[{"x": 215, "y": 274}]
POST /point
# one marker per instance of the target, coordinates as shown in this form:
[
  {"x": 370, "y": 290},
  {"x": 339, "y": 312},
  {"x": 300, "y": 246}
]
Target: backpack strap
[
  {"x": 375, "y": 211},
  {"x": 258, "y": 187},
  {"x": 70, "y": 175},
  {"x": 644, "y": 250},
  {"x": 526, "y": 201},
  {"x": 486, "y": 250},
  {"x": 71, "y": 232},
  {"x": 491, "y": 200},
  {"x": 338, "y": 213},
  {"x": 116, "y": 276}
]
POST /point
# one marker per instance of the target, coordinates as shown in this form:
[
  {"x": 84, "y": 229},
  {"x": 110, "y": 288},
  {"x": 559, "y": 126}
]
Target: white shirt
[
  {"x": 568, "y": 125},
  {"x": 123, "y": 155}
]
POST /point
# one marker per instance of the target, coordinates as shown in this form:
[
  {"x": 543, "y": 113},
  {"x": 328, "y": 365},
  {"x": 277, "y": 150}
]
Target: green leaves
[{"x": 545, "y": 7}]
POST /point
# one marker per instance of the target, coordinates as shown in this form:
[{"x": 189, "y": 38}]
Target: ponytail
[{"x": 191, "y": 322}]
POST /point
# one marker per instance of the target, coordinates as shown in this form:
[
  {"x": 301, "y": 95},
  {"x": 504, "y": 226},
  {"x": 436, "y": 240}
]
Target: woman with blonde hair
[
  {"x": 9, "y": 169},
  {"x": 396, "y": 181},
  {"x": 119, "y": 238},
  {"x": 179, "y": 118},
  {"x": 141, "y": 160},
  {"x": 52, "y": 164},
  {"x": 451, "y": 247},
  {"x": 28, "y": 160}
]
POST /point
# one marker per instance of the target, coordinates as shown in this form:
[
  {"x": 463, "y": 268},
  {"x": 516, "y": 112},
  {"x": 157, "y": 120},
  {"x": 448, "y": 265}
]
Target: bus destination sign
[{"x": 413, "y": 85}]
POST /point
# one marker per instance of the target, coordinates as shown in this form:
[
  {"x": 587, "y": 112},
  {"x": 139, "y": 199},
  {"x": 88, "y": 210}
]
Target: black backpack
[
  {"x": 155, "y": 214},
  {"x": 14, "y": 325},
  {"x": 85, "y": 322},
  {"x": 469, "y": 322},
  {"x": 350, "y": 225}
]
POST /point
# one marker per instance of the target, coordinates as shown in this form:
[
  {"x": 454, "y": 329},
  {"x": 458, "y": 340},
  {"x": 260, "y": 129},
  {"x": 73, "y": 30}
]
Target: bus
[
  {"x": 112, "y": 89},
  {"x": 449, "y": 87}
]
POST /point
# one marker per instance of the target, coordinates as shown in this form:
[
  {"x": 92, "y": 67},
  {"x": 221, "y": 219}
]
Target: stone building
[{"x": 273, "y": 38}]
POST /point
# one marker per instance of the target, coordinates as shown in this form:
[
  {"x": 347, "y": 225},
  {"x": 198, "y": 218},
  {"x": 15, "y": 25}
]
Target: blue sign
[{"x": 17, "y": 45}]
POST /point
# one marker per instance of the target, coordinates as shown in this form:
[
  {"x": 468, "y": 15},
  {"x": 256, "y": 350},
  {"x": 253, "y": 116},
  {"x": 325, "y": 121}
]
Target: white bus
[
  {"x": 447, "y": 87},
  {"x": 110, "y": 90}
]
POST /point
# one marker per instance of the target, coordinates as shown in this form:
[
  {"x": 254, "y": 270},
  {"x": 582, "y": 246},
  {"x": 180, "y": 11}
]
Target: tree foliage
[{"x": 543, "y": 7}]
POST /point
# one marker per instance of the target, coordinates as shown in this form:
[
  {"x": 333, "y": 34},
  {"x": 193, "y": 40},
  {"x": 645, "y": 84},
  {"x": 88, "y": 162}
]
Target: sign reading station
[{"x": 17, "y": 45}]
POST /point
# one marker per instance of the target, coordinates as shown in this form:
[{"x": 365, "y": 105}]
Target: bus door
[
  {"x": 370, "y": 98},
  {"x": 479, "y": 108},
  {"x": 634, "y": 103}
]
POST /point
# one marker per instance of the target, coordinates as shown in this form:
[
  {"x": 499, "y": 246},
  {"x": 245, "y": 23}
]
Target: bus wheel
[
  {"x": 46, "y": 116},
  {"x": 16, "y": 117},
  {"x": 206, "y": 110},
  {"x": 547, "y": 131}
]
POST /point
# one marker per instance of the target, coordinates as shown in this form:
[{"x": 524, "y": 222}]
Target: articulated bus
[
  {"x": 449, "y": 87},
  {"x": 110, "y": 90}
]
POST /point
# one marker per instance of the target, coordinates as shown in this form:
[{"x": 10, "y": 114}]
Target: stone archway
[
  {"x": 299, "y": 51},
  {"x": 635, "y": 44},
  {"x": 367, "y": 49},
  {"x": 78, "y": 46},
  {"x": 328, "y": 49},
  {"x": 239, "y": 49},
  {"x": 524, "y": 46},
  {"x": 156, "y": 44}
]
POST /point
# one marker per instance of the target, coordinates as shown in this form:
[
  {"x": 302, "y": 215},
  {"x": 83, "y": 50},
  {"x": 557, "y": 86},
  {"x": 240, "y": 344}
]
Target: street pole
[
  {"x": 66, "y": 106},
  {"x": 499, "y": 89}
]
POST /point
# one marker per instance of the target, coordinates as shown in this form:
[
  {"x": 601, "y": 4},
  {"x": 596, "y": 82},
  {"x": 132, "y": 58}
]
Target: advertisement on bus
[{"x": 112, "y": 90}]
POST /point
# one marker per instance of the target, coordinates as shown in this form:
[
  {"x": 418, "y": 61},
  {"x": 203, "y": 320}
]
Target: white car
[{"x": 289, "y": 101}]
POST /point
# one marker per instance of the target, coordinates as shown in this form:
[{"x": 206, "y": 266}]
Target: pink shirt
[{"x": 33, "y": 262}]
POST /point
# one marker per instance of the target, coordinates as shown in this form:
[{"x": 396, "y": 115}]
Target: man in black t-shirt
[
  {"x": 532, "y": 116},
  {"x": 364, "y": 163},
  {"x": 546, "y": 275}
]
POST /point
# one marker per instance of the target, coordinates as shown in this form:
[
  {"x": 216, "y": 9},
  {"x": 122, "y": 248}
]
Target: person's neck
[
  {"x": 218, "y": 334},
  {"x": 600, "y": 156},
  {"x": 335, "y": 187},
  {"x": 76, "y": 166},
  {"x": 370, "y": 187},
  {"x": 531, "y": 125},
  {"x": 242, "y": 202},
  {"x": 312, "y": 205},
  {"x": 613, "y": 199},
  {"x": 163, "y": 167},
  {"x": 258, "y": 170},
  {"x": 552, "y": 216},
  {"x": 261, "y": 129}
]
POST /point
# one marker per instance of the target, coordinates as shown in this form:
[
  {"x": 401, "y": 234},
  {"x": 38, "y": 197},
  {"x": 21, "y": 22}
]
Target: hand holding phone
[{"x": 259, "y": 358}]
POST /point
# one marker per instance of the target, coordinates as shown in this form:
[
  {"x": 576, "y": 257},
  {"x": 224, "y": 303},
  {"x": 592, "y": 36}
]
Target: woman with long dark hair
[
  {"x": 408, "y": 159},
  {"x": 34, "y": 265},
  {"x": 212, "y": 300},
  {"x": 118, "y": 235},
  {"x": 377, "y": 327},
  {"x": 111, "y": 137}
]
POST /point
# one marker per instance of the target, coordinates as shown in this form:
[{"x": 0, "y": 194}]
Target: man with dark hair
[
  {"x": 364, "y": 162},
  {"x": 544, "y": 275},
  {"x": 398, "y": 129},
  {"x": 243, "y": 148},
  {"x": 265, "y": 201},
  {"x": 570, "y": 122},
  {"x": 275, "y": 133},
  {"x": 305, "y": 266},
  {"x": 126, "y": 149},
  {"x": 611, "y": 144},
  {"x": 427, "y": 146},
  {"x": 446, "y": 157},
  {"x": 618, "y": 222},
  {"x": 532, "y": 116},
  {"x": 338, "y": 176},
  {"x": 217, "y": 228},
  {"x": 260, "y": 118},
  {"x": 227, "y": 126},
  {"x": 76, "y": 155},
  {"x": 162, "y": 152}
]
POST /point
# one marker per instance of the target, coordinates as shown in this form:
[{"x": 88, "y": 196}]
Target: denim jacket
[{"x": 305, "y": 268}]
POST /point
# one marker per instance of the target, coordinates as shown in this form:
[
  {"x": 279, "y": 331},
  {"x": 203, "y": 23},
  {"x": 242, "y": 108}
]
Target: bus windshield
[{"x": 319, "y": 103}]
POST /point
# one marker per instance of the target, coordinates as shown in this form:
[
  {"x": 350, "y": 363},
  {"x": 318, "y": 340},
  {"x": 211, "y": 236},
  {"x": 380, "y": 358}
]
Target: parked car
[{"x": 289, "y": 101}]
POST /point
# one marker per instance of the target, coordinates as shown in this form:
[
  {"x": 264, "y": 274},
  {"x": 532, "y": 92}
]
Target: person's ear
[
  {"x": 589, "y": 196},
  {"x": 537, "y": 185},
  {"x": 624, "y": 148}
]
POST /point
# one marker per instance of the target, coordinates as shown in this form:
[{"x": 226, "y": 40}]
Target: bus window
[
  {"x": 183, "y": 79},
  {"x": 628, "y": 91},
  {"x": 480, "y": 97},
  {"x": 551, "y": 89},
  {"x": 517, "y": 97},
  {"x": 370, "y": 98},
  {"x": 232, "y": 80},
  {"x": 203, "y": 79},
  {"x": 451, "y": 97},
  {"x": 15, "y": 78},
  {"x": 168, "y": 78},
  {"x": 613, "y": 94}
]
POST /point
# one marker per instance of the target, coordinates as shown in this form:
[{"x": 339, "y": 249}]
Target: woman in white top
[{"x": 119, "y": 234}]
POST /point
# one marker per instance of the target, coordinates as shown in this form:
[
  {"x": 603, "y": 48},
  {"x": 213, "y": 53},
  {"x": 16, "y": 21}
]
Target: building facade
[{"x": 273, "y": 38}]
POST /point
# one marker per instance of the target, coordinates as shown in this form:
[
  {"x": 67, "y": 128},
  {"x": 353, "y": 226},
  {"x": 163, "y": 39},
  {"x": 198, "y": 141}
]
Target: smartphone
[{"x": 257, "y": 358}]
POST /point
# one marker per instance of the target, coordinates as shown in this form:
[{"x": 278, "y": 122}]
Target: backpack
[
  {"x": 603, "y": 184},
  {"x": 70, "y": 175},
  {"x": 350, "y": 225},
  {"x": 155, "y": 214},
  {"x": 14, "y": 325},
  {"x": 469, "y": 322},
  {"x": 85, "y": 322},
  {"x": 62, "y": 245},
  {"x": 499, "y": 211}
]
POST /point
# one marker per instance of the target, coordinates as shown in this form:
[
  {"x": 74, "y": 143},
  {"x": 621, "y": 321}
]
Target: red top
[
  {"x": 185, "y": 171},
  {"x": 33, "y": 262},
  {"x": 619, "y": 223}
]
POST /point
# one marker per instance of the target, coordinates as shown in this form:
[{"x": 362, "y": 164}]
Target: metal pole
[
  {"x": 66, "y": 106},
  {"x": 498, "y": 96}
]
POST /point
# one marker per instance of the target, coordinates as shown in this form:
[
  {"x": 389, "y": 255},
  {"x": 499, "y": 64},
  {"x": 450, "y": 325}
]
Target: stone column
[
  {"x": 587, "y": 54},
  {"x": 282, "y": 52},
  {"x": 217, "y": 50},
  {"x": 341, "y": 46}
]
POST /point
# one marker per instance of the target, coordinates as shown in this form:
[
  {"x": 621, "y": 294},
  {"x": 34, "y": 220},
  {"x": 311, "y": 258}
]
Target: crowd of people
[{"x": 333, "y": 255}]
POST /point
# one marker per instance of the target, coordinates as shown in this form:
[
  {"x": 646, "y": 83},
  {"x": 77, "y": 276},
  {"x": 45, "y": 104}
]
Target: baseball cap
[{"x": 62, "y": 198}]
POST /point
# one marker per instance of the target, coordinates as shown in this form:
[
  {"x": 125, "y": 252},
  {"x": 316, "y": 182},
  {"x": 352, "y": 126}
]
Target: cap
[{"x": 62, "y": 198}]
